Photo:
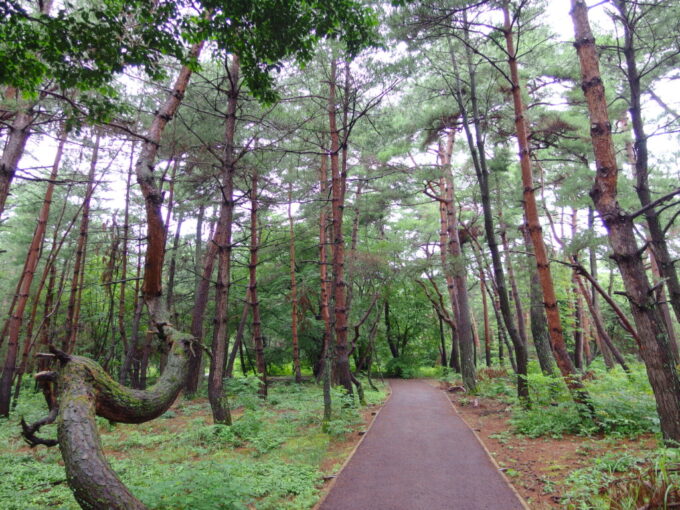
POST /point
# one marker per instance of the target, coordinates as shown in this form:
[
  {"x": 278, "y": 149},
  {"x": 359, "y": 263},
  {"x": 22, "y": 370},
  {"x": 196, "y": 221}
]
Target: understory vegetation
[
  {"x": 206, "y": 198},
  {"x": 620, "y": 471},
  {"x": 274, "y": 456}
]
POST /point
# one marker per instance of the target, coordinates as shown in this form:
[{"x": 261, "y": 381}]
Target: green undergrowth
[
  {"x": 270, "y": 458},
  {"x": 627, "y": 477},
  {"x": 624, "y": 403},
  {"x": 626, "y": 481}
]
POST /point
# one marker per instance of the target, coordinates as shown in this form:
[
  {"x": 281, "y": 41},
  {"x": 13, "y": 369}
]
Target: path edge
[
  {"x": 328, "y": 489},
  {"x": 488, "y": 454}
]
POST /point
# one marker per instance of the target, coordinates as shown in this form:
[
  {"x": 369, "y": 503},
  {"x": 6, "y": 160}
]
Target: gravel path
[{"x": 420, "y": 455}]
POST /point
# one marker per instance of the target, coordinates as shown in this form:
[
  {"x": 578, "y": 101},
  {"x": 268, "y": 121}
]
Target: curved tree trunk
[
  {"x": 85, "y": 388},
  {"x": 86, "y": 391}
]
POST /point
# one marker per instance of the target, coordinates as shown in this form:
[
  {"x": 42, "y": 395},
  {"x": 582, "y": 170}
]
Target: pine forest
[{"x": 296, "y": 254}]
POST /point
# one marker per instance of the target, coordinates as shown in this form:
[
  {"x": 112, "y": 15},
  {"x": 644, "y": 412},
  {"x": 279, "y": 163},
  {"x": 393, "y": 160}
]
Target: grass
[{"x": 274, "y": 456}]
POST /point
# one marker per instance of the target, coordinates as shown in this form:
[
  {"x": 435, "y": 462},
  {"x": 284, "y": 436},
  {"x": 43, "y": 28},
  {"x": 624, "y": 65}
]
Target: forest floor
[
  {"x": 546, "y": 470},
  {"x": 276, "y": 456}
]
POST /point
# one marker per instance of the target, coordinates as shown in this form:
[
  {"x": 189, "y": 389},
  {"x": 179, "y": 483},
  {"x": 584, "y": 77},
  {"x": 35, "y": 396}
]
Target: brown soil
[{"x": 536, "y": 467}]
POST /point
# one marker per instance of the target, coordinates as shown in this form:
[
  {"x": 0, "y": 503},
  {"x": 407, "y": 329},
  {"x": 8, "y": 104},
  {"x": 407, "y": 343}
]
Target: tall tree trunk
[
  {"x": 73, "y": 311},
  {"x": 293, "y": 290},
  {"x": 485, "y": 312},
  {"x": 24, "y": 287},
  {"x": 539, "y": 324},
  {"x": 477, "y": 152},
  {"x": 552, "y": 311},
  {"x": 629, "y": 19},
  {"x": 393, "y": 345},
  {"x": 454, "y": 360},
  {"x": 258, "y": 340},
  {"x": 578, "y": 327},
  {"x": 325, "y": 288},
  {"x": 170, "y": 303},
  {"x": 456, "y": 265},
  {"x": 216, "y": 395},
  {"x": 341, "y": 370},
  {"x": 195, "y": 363},
  {"x": 655, "y": 348},
  {"x": 442, "y": 346}
]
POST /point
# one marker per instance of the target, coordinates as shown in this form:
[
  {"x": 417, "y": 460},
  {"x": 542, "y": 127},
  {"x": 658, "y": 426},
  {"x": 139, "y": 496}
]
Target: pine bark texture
[
  {"x": 222, "y": 241},
  {"x": 456, "y": 267},
  {"x": 24, "y": 288},
  {"x": 630, "y": 17},
  {"x": 654, "y": 344},
  {"x": 341, "y": 370},
  {"x": 534, "y": 228},
  {"x": 477, "y": 152}
]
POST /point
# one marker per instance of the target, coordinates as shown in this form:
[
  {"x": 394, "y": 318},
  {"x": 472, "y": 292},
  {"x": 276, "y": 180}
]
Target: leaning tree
[{"x": 262, "y": 33}]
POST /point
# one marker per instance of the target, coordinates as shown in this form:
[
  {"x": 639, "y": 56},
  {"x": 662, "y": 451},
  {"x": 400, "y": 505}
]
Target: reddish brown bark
[
  {"x": 654, "y": 344},
  {"x": 24, "y": 288},
  {"x": 341, "y": 370},
  {"x": 454, "y": 360},
  {"x": 73, "y": 311},
  {"x": 456, "y": 267},
  {"x": 552, "y": 312},
  {"x": 631, "y": 16},
  {"x": 153, "y": 198},
  {"x": 325, "y": 290},
  {"x": 476, "y": 144}
]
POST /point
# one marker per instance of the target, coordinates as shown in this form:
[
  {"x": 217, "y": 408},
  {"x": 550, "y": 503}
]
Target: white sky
[{"x": 557, "y": 15}]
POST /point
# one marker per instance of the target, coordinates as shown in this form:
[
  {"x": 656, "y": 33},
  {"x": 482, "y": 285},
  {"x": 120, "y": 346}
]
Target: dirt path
[{"x": 419, "y": 455}]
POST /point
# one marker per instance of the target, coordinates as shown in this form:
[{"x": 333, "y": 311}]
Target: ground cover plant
[
  {"x": 557, "y": 457},
  {"x": 274, "y": 456},
  {"x": 195, "y": 191}
]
